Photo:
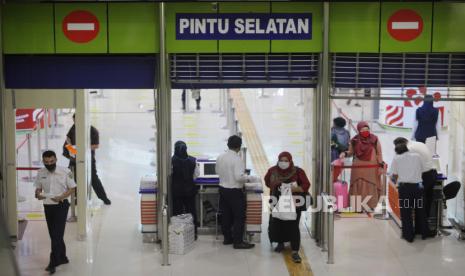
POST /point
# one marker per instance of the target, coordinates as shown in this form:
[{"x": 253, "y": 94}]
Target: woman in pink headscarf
[{"x": 365, "y": 182}]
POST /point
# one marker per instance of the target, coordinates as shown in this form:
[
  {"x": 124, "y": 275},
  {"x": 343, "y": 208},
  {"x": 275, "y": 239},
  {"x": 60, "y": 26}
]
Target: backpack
[{"x": 342, "y": 139}]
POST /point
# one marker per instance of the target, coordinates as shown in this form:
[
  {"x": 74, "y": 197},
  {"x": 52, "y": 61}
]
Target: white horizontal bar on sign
[
  {"x": 405, "y": 25},
  {"x": 81, "y": 26}
]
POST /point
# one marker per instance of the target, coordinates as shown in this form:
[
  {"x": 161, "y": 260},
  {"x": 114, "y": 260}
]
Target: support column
[
  {"x": 8, "y": 191},
  {"x": 82, "y": 162},
  {"x": 3, "y": 133},
  {"x": 326, "y": 131},
  {"x": 163, "y": 119},
  {"x": 323, "y": 128},
  {"x": 326, "y": 105},
  {"x": 10, "y": 161}
]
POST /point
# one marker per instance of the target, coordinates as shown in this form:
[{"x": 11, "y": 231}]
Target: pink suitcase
[{"x": 341, "y": 192}]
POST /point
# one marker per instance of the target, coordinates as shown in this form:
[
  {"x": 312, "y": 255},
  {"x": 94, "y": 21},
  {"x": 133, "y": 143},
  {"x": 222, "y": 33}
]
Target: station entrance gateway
[
  {"x": 171, "y": 46},
  {"x": 21, "y": 99}
]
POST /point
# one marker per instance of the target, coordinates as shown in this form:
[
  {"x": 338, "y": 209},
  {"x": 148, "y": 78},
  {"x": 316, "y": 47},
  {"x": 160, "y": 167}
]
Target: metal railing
[
  {"x": 398, "y": 71},
  {"x": 240, "y": 68}
]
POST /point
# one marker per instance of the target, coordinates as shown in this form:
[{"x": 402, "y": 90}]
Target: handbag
[{"x": 285, "y": 208}]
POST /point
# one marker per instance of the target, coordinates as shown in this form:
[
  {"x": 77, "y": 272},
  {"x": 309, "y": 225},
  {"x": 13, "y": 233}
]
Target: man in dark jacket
[{"x": 94, "y": 144}]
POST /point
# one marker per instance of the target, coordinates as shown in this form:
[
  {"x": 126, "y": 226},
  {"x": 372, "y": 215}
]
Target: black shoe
[
  {"x": 227, "y": 242},
  {"x": 429, "y": 235},
  {"x": 296, "y": 258},
  {"x": 409, "y": 239},
  {"x": 244, "y": 245},
  {"x": 50, "y": 269},
  {"x": 107, "y": 201},
  {"x": 65, "y": 260},
  {"x": 279, "y": 248},
  {"x": 198, "y": 107}
]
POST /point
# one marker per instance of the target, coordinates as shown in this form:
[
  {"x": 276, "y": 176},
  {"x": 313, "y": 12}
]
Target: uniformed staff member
[
  {"x": 231, "y": 171},
  {"x": 406, "y": 170},
  {"x": 94, "y": 145},
  {"x": 54, "y": 185},
  {"x": 429, "y": 174}
]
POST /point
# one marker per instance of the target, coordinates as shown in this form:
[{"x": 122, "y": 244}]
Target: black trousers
[
  {"x": 96, "y": 183},
  {"x": 183, "y": 99},
  {"x": 290, "y": 231},
  {"x": 429, "y": 180},
  {"x": 56, "y": 215},
  {"x": 95, "y": 180},
  {"x": 183, "y": 205},
  {"x": 411, "y": 199},
  {"x": 232, "y": 206}
]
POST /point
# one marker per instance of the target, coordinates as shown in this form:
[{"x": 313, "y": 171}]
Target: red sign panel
[
  {"x": 405, "y": 25},
  {"x": 80, "y": 26}
]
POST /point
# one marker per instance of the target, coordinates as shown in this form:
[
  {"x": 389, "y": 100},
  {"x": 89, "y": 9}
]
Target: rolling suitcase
[{"x": 341, "y": 192}]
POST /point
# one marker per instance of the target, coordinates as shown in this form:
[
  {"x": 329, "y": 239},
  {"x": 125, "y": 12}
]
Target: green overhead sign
[
  {"x": 279, "y": 27},
  {"x": 406, "y": 27},
  {"x": 81, "y": 28}
]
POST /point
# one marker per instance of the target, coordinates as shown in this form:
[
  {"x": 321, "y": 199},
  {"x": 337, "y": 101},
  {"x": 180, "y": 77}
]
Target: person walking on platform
[
  {"x": 94, "y": 145},
  {"x": 231, "y": 171},
  {"x": 286, "y": 172},
  {"x": 54, "y": 185},
  {"x": 195, "y": 95},
  {"x": 340, "y": 138},
  {"x": 365, "y": 182},
  {"x": 184, "y": 171},
  {"x": 426, "y": 121},
  {"x": 406, "y": 170},
  {"x": 429, "y": 173}
]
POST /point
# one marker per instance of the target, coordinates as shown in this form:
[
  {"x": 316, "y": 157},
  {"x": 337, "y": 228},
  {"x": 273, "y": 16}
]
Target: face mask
[
  {"x": 364, "y": 133},
  {"x": 283, "y": 165},
  {"x": 51, "y": 167}
]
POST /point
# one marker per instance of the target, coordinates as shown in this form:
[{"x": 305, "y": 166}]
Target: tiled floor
[{"x": 114, "y": 245}]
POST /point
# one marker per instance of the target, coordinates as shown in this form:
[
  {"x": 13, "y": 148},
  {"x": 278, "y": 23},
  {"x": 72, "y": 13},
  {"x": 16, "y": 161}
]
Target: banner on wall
[
  {"x": 401, "y": 114},
  {"x": 244, "y": 26}
]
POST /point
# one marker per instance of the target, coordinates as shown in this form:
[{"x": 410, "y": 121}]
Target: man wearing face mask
[
  {"x": 54, "y": 185},
  {"x": 231, "y": 171}
]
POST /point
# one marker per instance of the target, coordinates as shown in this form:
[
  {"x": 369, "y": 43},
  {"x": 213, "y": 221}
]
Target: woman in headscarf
[
  {"x": 426, "y": 121},
  {"x": 184, "y": 171},
  {"x": 286, "y": 172},
  {"x": 366, "y": 151}
]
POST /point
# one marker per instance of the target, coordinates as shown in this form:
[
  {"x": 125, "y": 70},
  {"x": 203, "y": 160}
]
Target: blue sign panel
[{"x": 244, "y": 26}]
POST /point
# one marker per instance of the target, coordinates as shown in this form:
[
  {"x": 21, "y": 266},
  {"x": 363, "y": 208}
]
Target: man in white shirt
[
  {"x": 406, "y": 169},
  {"x": 54, "y": 185},
  {"x": 429, "y": 173},
  {"x": 231, "y": 171}
]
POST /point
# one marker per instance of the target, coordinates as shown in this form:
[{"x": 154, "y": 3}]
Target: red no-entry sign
[
  {"x": 405, "y": 25},
  {"x": 80, "y": 26}
]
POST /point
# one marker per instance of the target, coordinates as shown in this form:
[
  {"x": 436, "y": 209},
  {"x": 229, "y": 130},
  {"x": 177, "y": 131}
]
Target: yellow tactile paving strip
[{"x": 261, "y": 165}]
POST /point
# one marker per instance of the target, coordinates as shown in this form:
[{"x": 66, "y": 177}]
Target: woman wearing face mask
[
  {"x": 286, "y": 172},
  {"x": 184, "y": 191},
  {"x": 365, "y": 182}
]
